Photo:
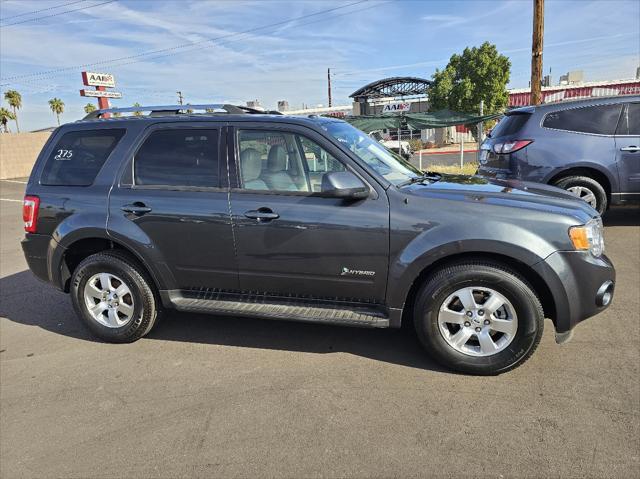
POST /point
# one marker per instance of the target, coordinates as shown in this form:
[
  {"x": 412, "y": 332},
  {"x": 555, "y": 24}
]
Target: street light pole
[{"x": 536, "y": 52}]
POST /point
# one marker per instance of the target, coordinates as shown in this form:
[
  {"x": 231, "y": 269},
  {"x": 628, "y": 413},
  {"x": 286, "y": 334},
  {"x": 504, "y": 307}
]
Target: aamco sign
[
  {"x": 101, "y": 93},
  {"x": 396, "y": 107},
  {"x": 101, "y": 81},
  {"x": 98, "y": 79}
]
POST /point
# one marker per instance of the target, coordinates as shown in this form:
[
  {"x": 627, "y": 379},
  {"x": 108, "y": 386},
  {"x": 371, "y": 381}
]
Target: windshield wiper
[{"x": 432, "y": 177}]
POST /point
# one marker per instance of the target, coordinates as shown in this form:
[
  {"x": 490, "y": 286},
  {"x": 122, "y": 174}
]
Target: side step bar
[{"x": 273, "y": 307}]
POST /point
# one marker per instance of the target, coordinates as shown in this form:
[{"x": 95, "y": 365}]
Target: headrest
[
  {"x": 251, "y": 164},
  {"x": 277, "y": 159}
]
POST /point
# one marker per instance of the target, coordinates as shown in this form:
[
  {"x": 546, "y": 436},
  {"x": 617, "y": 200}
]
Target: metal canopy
[{"x": 392, "y": 87}]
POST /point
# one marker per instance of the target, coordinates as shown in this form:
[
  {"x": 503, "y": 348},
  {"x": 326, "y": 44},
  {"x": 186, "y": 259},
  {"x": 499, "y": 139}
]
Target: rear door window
[
  {"x": 630, "y": 121},
  {"x": 78, "y": 156},
  {"x": 599, "y": 120},
  {"x": 182, "y": 157},
  {"x": 510, "y": 125}
]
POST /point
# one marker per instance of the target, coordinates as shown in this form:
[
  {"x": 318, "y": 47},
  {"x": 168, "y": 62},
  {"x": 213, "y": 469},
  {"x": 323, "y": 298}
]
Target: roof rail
[{"x": 163, "y": 110}]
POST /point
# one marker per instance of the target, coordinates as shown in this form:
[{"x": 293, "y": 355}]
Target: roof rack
[{"x": 165, "y": 110}]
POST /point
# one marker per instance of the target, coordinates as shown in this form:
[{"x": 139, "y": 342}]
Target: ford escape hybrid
[{"x": 241, "y": 213}]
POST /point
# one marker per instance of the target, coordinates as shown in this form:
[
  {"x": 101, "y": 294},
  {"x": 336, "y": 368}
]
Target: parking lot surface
[{"x": 229, "y": 397}]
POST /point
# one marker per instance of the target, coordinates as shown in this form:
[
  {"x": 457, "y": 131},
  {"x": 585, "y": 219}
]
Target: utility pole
[
  {"x": 536, "y": 52},
  {"x": 329, "y": 84},
  {"x": 180, "y": 97},
  {"x": 480, "y": 130}
]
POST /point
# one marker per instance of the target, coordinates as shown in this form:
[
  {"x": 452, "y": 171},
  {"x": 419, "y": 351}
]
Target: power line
[
  {"x": 248, "y": 33},
  {"x": 181, "y": 46},
  {"x": 41, "y": 10},
  {"x": 202, "y": 47},
  {"x": 57, "y": 14}
]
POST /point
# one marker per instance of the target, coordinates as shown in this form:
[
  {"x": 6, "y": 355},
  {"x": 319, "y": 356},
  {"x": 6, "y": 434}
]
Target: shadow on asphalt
[
  {"x": 51, "y": 310},
  {"x": 623, "y": 216}
]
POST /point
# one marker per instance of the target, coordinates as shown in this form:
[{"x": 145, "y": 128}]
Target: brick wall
[{"x": 18, "y": 153}]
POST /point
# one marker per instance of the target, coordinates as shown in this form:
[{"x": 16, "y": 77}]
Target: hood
[{"x": 505, "y": 193}]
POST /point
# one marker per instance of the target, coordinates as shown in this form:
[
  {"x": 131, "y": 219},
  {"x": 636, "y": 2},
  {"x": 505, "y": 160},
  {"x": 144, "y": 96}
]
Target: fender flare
[{"x": 403, "y": 275}]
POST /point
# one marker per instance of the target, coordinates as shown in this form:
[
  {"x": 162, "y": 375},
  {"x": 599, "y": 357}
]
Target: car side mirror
[{"x": 343, "y": 184}]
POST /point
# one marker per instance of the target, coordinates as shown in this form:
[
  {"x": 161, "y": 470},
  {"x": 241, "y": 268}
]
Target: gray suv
[
  {"x": 221, "y": 209},
  {"x": 588, "y": 147}
]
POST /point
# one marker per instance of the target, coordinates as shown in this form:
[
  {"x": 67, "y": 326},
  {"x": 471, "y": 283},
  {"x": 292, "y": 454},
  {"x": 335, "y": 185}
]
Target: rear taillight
[
  {"x": 510, "y": 146},
  {"x": 30, "y": 208}
]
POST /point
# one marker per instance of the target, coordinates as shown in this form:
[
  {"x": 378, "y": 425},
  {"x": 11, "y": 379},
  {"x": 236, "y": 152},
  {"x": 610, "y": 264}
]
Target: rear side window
[
  {"x": 78, "y": 157},
  {"x": 178, "y": 157},
  {"x": 600, "y": 120},
  {"x": 630, "y": 121},
  {"x": 510, "y": 125}
]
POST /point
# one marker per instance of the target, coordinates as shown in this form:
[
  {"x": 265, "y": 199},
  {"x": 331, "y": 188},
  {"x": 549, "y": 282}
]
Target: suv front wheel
[
  {"x": 113, "y": 297},
  {"x": 478, "y": 318}
]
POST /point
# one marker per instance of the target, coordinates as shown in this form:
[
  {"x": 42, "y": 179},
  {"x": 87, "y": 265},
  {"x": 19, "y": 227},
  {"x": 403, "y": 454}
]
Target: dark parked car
[
  {"x": 304, "y": 218},
  {"x": 588, "y": 147}
]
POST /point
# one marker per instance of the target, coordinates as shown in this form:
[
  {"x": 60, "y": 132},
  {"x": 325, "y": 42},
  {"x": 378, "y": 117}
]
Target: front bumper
[{"x": 581, "y": 285}]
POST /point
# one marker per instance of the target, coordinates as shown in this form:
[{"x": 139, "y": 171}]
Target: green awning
[{"x": 416, "y": 121}]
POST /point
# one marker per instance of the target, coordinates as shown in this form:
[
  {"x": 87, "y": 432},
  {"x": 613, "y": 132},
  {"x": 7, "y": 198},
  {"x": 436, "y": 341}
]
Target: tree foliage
[
  {"x": 89, "y": 107},
  {"x": 480, "y": 73},
  {"x": 57, "y": 107},
  {"x": 5, "y": 116},
  {"x": 14, "y": 99}
]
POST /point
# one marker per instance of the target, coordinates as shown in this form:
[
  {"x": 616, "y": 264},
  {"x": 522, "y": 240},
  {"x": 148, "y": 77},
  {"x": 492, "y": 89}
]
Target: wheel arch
[
  {"x": 81, "y": 248},
  {"x": 535, "y": 280},
  {"x": 587, "y": 170}
]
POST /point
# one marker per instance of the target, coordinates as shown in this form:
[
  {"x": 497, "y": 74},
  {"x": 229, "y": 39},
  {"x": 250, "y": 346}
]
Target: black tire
[
  {"x": 586, "y": 182},
  {"x": 145, "y": 301},
  {"x": 501, "y": 279}
]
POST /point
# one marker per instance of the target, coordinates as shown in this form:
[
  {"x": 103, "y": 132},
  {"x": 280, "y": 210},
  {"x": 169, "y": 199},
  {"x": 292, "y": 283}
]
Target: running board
[{"x": 292, "y": 309}]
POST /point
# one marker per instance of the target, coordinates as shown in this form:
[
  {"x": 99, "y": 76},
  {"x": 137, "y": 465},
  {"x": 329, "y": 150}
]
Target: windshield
[{"x": 386, "y": 163}]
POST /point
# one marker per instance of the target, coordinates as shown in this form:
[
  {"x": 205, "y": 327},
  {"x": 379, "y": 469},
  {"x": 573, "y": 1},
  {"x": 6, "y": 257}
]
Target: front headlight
[{"x": 588, "y": 236}]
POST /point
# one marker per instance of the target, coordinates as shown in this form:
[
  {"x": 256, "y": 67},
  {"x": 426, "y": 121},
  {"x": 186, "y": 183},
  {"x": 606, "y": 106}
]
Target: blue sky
[{"x": 361, "y": 43}]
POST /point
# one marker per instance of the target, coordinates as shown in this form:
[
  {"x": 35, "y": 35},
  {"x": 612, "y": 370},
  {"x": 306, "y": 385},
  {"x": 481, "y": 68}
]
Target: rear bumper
[
  {"x": 37, "y": 250},
  {"x": 581, "y": 285},
  {"x": 497, "y": 173}
]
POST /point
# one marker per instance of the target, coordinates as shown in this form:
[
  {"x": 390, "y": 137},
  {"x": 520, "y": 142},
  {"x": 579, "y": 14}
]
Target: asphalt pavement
[{"x": 229, "y": 397}]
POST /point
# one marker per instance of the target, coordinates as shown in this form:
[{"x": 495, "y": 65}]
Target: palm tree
[
  {"x": 14, "y": 99},
  {"x": 137, "y": 113},
  {"x": 57, "y": 106},
  {"x": 5, "y": 116},
  {"x": 89, "y": 107}
]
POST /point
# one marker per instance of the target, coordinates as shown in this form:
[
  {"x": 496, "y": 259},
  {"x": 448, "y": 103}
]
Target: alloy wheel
[
  {"x": 585, "y": 194},
  {"x": 108, "y": 300},
  {"x": 477, "y": 321}
]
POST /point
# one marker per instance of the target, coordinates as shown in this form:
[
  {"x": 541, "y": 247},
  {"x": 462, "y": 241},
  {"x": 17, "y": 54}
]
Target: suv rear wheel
[
  {"x": 478, "y": 317},
  {"x": 113, "y": 297},
  {"x": 587, "y": 189}
]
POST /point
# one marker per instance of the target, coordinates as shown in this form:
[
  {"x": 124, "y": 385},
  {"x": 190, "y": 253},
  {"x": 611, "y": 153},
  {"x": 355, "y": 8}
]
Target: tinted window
[
  {"x": 630, "y": 121},
  {"x": 78, "y": 157},
  {"x": 510, "y": 124},
  {"x": 178, "y": 157},
  {"x": 600, "y": 120},
  {"x": 283, "y": 161}
]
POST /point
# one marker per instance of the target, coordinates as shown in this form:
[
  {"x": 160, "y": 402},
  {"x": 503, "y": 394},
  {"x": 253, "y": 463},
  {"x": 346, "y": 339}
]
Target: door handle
[
  {"x": 262, "y": 214},
  {"x": 631, "y": 148},
  {"x": 136, "y": 208}
]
